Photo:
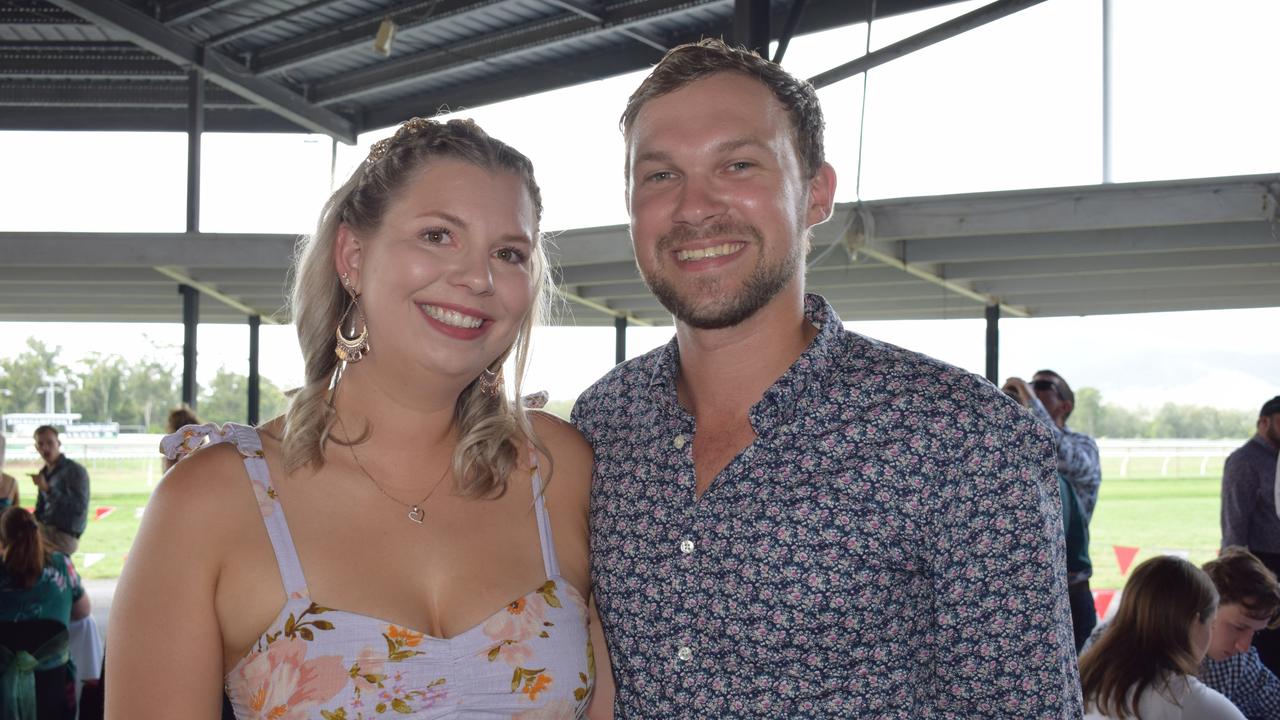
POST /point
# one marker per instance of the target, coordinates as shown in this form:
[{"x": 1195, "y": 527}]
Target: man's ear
[
  {"x": 822, "y": 195},
  {"x": 347, "y": 254}
]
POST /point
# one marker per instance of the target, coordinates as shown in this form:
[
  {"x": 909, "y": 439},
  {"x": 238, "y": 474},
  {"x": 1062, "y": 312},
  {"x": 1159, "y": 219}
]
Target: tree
[
  {"x": 101, "y": 395},
  {"x": 22, "y": 376},
  {"x": 227, "y": 398},
  {"x": 152, "y": 388}
]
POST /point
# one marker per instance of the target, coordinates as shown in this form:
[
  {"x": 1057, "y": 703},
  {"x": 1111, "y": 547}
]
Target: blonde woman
[
  {"x": 434, "y": 559},
  {"x": 1144, "y": 666}
]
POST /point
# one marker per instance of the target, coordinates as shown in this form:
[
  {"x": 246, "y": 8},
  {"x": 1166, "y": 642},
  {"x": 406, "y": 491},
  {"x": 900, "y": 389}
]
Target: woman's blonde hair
[
  {"x": 1150, "y": 636},
  {"x": 491, "y": 429}
]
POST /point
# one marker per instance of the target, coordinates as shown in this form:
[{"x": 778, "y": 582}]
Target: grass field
[{"x": 1177, "y": 513}]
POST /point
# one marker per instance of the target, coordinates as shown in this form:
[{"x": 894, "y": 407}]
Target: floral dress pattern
[{"x": 530, "y": 659}]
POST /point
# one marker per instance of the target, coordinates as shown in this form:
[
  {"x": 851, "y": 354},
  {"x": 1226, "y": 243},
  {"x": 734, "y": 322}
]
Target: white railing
[{"x": 1166, "y": 450}]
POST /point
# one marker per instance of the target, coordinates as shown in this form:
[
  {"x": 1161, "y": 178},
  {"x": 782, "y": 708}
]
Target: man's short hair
[
  {"x": 1064, "y": 390},
  {"x": 1243, "y": 580},
  {"x": 1270, "y": 407},
  {"x": 686, "y": 63},
  {"x": 45, "y": 429}
]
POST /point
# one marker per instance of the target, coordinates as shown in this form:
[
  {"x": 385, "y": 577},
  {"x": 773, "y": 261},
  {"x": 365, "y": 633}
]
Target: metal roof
[
  {"x": 290, "y": 65},
  {"x": 1120, "y": 248}
]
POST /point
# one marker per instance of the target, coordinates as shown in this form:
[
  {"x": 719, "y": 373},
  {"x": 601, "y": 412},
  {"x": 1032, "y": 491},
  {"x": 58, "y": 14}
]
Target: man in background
[
  {"x": 62, "y": 507},
  {"x": 1249, "y": 507},
  {"x": 1051, "y": 400}
]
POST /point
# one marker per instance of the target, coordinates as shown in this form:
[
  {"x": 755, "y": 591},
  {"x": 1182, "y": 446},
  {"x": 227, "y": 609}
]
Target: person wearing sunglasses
[{"x": 1050, "y": 400}]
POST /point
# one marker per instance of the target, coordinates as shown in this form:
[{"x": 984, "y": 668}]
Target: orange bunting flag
[
  {"x": 101, "y": 512},
  {"x": 1101, "y": 601},
  {"x": 1124, "y": 557}
]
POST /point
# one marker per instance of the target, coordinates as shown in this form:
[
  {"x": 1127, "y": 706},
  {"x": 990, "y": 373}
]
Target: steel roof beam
[
  {"x": 1088, "y": 283},
  {"x": 87, "y": 93},
  {"x": 1113, "y": 264},
  {"x": 85, "y": 66},
  {"x": 214, "y": 250},
  {"x": 1099, "y": 242},
  {"x": 220, "y": 69},
  {"x": 488, "y": 49},
  {"x": 359, "y": 32},
  {"x": 268, "y": 21},
  {"x": 183, "y": 10}
]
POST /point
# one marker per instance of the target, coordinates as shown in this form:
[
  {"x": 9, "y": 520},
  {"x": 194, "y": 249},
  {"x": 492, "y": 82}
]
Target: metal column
[
  {"x": 191, "y": 296},
  {"x": 619, "y": 339},
  {"x": 190, "y": 318},
  {"x": 993, "y": 344},
  {"x": 751, "y": 25},
  {"x": 1106, "y": 91},
  {"x": 255, "y": 321}
]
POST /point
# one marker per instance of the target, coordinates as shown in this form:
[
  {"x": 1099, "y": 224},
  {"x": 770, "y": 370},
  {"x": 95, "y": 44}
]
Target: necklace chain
[{"x": 416, "y": 513}]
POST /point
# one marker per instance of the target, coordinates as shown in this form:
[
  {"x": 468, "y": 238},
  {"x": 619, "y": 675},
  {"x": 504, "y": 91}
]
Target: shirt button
[
  {"x": 684, "y": 653},
  {"x": 679, "y": 442},
  {"x": 686, "y": 546}
]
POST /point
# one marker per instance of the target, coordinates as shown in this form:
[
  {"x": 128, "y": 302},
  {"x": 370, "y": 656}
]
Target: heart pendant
[{"x": 416, "y": 514}]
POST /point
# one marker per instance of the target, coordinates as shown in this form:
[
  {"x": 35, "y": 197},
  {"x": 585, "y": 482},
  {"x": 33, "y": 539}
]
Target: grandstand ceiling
[{"x": 294, "y": 65}]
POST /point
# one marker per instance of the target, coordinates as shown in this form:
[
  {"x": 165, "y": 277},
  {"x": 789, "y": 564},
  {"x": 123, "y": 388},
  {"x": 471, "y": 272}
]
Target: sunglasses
[{"x": 1045, "y": 385}]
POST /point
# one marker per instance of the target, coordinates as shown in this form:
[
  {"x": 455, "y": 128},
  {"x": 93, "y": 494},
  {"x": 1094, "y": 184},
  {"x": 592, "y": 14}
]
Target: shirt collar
[
  {"x": 1265, "y": 445},
  {"x": 779, "y": 403}
]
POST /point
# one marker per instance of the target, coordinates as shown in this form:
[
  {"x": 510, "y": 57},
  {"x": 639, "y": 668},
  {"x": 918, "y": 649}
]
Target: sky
[{"x": 1014, "y": 104}]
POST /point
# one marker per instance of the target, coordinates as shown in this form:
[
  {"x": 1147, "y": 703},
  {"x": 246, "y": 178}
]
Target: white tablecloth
[{"x": 85, "y": 646}]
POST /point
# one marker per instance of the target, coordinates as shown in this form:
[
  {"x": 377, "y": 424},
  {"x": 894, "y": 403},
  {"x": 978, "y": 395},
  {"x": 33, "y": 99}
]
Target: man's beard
[{"x": 762, "y": 285}]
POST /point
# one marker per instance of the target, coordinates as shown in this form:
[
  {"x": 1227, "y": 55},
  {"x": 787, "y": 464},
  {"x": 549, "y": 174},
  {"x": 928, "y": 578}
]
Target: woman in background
[
  {"x": 36, "y": 584},
  {"x": 1144, "y": 666},
  {"x": 8, "y": 486},
  {"x": 179, "y": 418}
]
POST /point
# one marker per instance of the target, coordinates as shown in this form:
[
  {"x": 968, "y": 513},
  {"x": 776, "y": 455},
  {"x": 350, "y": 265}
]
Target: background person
[
  {"x": 179, "y": 418},
  {"x": 1145, "y": 664},
  {"x": 434, "y": 561},
  {"x": 9, "y": 496},
  {"x": 1249, "y": 507},
  {"x": 1248, "y": 602},
  {"x": 62, "y": 505},
  {"x": 1051, "y": 400}
]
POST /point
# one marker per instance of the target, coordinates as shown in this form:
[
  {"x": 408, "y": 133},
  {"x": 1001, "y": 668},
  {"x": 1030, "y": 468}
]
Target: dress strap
[
  {"x": 246, "y": 439},
  {"x": 549, "y": 562}
]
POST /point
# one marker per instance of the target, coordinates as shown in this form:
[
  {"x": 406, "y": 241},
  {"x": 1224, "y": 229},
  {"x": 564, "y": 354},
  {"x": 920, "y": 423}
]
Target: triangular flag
[
  {"x": 101, "y": 512},
  {"x": 137, "y": 512},
  {"x": 1101, "y": 601},
  {"x": 1124, "y": 557},
  {"x": 91, "y": 558}
]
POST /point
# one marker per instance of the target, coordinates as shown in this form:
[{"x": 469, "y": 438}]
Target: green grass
[
  {"x": 1153, "y": 513},
  {"x": 124, "y": 484}
]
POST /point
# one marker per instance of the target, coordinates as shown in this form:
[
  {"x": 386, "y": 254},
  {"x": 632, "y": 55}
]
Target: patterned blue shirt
[
  {"x": 890, "y": 545},
  {"x": 1078, "y": 459}
]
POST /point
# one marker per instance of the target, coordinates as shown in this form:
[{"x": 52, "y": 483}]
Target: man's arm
[
  {"x": 1238, "y": 493},
  {"x": 999, "y": 555},
  {"x": 1078, "y": 459}
]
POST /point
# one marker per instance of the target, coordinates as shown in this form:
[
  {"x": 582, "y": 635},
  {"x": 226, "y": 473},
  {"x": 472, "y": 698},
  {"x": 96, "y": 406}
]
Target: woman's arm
[
  {"x": 166, "y": 649},
  {"x": 80, "y": 608}
]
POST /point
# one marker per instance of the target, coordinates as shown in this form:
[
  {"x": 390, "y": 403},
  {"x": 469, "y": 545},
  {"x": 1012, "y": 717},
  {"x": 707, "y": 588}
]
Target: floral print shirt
[
  {"x": 530, "y": 659},
  {"x": 51, "y": 598},
  {"x": 890, "y": 545}
]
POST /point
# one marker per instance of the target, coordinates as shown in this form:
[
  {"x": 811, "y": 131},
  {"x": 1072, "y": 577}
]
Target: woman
[
  {"x": 1144, "y": 666},
  {"x": 36, "y": 584},
  {"x": 431, "y": 566},
  {"x": 8, "y": 485},
  {"x": 179, "y": 418}
]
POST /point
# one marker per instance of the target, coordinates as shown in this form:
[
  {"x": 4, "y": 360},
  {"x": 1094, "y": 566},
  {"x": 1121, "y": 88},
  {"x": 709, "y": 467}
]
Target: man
[
  {"x": 1249, "y": 507},
  {"x": 62, "y": 506},
  {"x": 1051, "y": 400},
  {"x": 1248, "y": 602},
  {"x": 788, "y": 519}
]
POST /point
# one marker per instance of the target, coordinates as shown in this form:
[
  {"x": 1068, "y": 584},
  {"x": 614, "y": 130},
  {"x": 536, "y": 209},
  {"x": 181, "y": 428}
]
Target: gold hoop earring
[{"x": 351, "y": 347}]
